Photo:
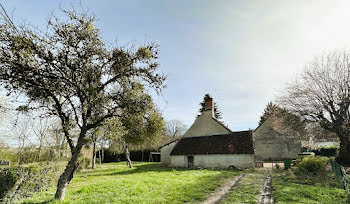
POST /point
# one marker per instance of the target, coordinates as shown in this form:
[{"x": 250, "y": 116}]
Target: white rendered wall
[
  {"x": 216, "y": 160},
  {"x": 178, "y": 161},
  {"x": 165, "y": 153}
]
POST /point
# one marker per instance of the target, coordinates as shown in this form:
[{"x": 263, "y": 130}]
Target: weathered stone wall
[
  {"x": 165, "y": 153},
  {"x": 276, "y": 149},
  {"x": 216, "y": 160},
  {"x": 270, "y": 145}
]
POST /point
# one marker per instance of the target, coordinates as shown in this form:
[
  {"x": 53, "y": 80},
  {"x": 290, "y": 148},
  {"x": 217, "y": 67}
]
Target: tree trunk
[
  {"x": 39, "y": 152},
  {"x": 68, "y": 174},
  {"x": 103, "y": 154},
  {"x": 142, "y": 155},
  {"x": 344, "y": 150},
  {"x": 94, "y": 154},
  {"x": 71, "y": 168},
  {"x": 127, "y": 155},
  {"x": 99, "y": 156}
]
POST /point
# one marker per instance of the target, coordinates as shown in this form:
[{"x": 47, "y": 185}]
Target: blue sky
[{"x": 241, "y": 52}]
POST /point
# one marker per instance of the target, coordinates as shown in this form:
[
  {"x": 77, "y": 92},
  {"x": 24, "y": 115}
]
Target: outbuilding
[{"x": 210, "y": 144}]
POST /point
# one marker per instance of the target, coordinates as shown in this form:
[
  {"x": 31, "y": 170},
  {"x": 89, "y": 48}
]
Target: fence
[{"x": 341, "y": 175}]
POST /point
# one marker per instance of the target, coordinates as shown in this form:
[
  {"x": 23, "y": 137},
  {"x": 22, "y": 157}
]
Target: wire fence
[{"x": 340, "y": 174}]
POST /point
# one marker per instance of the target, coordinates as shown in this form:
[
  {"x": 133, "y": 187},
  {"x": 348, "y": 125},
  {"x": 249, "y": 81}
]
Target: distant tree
[
  {"x": 268, "y": 111},
  {"x": 41, "y": 131},
  {"x": 321, "y": 94},
  {"x": 175, "y": 129},
  {"x": 287, "y": 124},
  {"x": 137, "y": 125},
  {"x": 95, "y": 135},
  {"x": 20, "y": 130},
  {"x": 218, "y": 114},
  {"x": 69, "y": 71}
]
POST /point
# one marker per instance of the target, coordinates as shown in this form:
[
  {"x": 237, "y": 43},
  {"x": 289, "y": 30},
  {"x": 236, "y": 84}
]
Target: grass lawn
[
  {"x": 247, "y": 189},
  {"x": 287, "y": 189},
  {"x": 145, "y": 183}
]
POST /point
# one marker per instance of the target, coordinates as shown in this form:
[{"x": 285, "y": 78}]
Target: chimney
[{"x": 208, "y": 104}]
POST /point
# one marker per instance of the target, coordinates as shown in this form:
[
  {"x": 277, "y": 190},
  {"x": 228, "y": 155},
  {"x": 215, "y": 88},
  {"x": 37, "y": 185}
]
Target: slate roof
[{"x": 232, "y": 143}]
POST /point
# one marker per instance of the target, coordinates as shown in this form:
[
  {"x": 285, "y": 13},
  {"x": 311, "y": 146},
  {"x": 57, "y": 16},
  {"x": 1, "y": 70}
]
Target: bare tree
[
  {"x": 321, "y": 94},
  {"x": 41, "y": 131},
  {"x": 287, "y": 124},
  {"x": 20, "y": 130},
  {"x": 175, "y": 129}
]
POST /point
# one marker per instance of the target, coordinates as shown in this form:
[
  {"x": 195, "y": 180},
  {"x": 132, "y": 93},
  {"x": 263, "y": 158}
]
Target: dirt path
[
  {"x": 220, "y": 193},
  {"x": 265, "y": 196}
]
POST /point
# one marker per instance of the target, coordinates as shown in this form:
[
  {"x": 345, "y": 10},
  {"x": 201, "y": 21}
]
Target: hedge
[
  {"x": 22, "y": 182},
  {"x": 135, "y": 155},
  {"x": 326, "y": 151}
]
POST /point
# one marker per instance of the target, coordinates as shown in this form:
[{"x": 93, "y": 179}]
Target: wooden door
[{"x": 190, "y": 162}]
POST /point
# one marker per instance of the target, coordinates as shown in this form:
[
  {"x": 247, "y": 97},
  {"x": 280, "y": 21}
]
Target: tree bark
[
  {"x": 67, "y": 175},
  {"x": 71, "y": 167},
  {"x": 344, "y": 150}
]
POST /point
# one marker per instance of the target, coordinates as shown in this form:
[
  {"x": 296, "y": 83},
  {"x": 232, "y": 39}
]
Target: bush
[
  {"x": 8, "y": 178},
  {"x": 22, "y": 182},
  {"x": 84, "y": 163},
  {"x": 311, "y": 166},
  {"x": 330, "y": 151}
]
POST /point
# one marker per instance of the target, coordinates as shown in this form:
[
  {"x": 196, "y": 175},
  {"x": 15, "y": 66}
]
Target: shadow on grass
[
  {"x": 193, "y": 191},
  {"x": 42, "y": 202},
  {"x": 152, "y": 167}
]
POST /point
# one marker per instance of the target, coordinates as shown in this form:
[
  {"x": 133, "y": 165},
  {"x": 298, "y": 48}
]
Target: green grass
[
  {"x": 289, "y": 189},
  {"x": 247, "y": 189},
  {"x": 145, "y": 183}
]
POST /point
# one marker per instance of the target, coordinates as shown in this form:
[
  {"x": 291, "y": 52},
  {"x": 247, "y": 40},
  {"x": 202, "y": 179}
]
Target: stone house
[
  {"x": 210, "y": 144},
  {"x": 271, "y": 145}
]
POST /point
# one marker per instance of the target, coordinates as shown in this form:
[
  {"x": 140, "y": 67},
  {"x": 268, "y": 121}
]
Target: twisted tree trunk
[
  {"x": 71, "y": 167},
  {"x": 67, "y": 175}
]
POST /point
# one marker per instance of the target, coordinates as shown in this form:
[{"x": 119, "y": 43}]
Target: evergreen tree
[
  {"x": 268, "y": 111},
  {"x": 217, "y": 112}
]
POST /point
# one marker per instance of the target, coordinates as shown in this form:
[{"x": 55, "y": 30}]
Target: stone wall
[
  {"x": 270, "y": 145},
  {"x": 276, "y": 149}
]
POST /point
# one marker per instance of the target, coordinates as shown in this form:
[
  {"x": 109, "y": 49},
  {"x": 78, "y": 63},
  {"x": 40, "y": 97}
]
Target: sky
[{"x": 243, "y": 53}]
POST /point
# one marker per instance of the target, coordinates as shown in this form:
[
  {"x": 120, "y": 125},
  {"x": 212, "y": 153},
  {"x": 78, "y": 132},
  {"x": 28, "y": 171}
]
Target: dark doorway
[{"x": 190, "y": 163}]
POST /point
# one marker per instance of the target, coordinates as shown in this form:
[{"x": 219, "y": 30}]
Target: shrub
[
  {"x": 330, "y": 151},
  {"x": 84, "y": 163},
  {"x": 8, "y": 178},
  {"x": 22, "y": 182},
  {"x": 311, "y": 166}
]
